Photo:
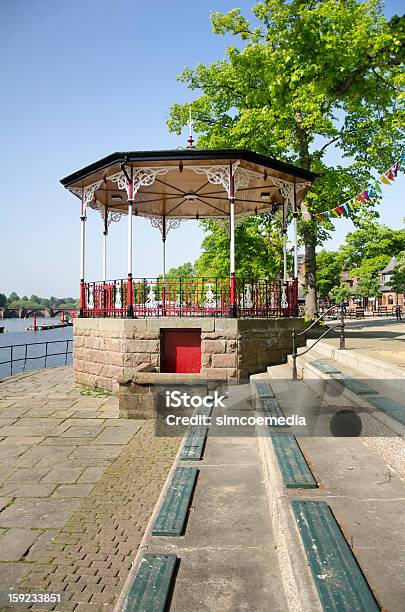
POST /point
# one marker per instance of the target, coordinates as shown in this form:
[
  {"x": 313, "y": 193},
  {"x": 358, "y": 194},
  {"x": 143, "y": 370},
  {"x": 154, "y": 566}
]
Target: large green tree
[
  {"x": 329, "y": 269},
  {"x": 305, "y": 77}
]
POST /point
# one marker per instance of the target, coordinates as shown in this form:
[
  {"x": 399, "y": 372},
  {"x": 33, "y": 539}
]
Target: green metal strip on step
[
  {"x": 339, "y": 581},
  {"x": 390, "y": 407},
  {"x": 193, "y": 445},
  {"x": 271, "y": 407},
  {"x": 324, "y": 366},
  {"x": 173, "y": 511},
  {"x": 293, "y": 466},
  {"x": 356, "y": 386},
  {"x": 203, "y": 411},
  {"x": 263, "y": 388},
  {"x": 152, "y": 584}
]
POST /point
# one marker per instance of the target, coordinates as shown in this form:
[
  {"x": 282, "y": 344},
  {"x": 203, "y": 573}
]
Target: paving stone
[
  {"x": 13, "y": 573},
  {"x": 97, "y": 452},
  {"x": 86, "y": 414},
  {"x": 73, "y": 490},
  {"x": 39, "y": 547},
  {"x": 82, "y": 432},
  {"x": 91, "y": 475},
  {"x": 63, "y": 475},
  {"x": 4, "y": 501},
  {"x": 49, "y": 513},
  {"x": 27, "y": 490},
  {"x": 114, "y": 435},
  {"x": 4, "y": 422},
  {"x": 21, "y": 441},
  {"x": 11, "y": 451},
  {"x": 15, "y": 543},
  {"x": 49, "y": 452},
  {"x": 27, "y": 476},
  {"x": 59, "y": 441},
  {"x": 31, "y": 421}
]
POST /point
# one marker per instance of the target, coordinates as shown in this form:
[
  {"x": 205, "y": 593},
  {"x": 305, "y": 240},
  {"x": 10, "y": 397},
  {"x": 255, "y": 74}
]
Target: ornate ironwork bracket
[
  {"x": 86, "y": 193},
  {"x": 141, "y": 177}
]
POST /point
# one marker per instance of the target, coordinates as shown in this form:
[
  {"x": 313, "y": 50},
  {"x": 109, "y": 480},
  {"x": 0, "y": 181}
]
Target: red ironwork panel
[{"x": 181, "y": 351}]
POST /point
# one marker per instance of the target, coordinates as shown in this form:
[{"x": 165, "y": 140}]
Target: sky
[{"x": 82, "y": 79}]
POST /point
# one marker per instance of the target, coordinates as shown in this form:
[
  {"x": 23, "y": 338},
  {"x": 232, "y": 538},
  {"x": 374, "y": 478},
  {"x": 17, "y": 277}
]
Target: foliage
[
  {"x": 367, "y": 286},
  {"x": 3, "y": 300},
  {"x": 14, "y": 301},
  {"x": 304, "y": 78},
  {"x": 329, "y": 269},
  {"x": 341, "y": 293},
  {"x": 258, "y": 249},
  {"x": 186, "y": 270}
]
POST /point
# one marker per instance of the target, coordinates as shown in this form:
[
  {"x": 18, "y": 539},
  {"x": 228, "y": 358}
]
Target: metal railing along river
[{"x": 23, "y": 353}]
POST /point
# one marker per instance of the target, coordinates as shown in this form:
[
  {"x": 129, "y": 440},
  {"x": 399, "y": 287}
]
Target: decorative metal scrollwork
[
  {"x": 86, "y": 193},
  {"x": 118, "y": 296},
  {"x": 142, "y": 177},
  {"x": 113, "y": 216},
  {"x": 151, "y": 301},
  {"x": 170, "y": 222},
  {"x": 209, "y": 301},
  {"x": 90, "y": 298},
  {"x": 247, "y": 298},
  {"x": 284, "y": 301}
]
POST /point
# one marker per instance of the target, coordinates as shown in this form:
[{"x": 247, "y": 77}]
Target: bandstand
[{"x": 221, "y": 327}]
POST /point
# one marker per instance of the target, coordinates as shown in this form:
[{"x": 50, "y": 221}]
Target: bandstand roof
[{"x": 189, "y": 183}]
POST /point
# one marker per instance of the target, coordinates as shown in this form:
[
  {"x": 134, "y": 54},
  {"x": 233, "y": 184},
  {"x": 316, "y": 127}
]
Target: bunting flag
[{"x": 367, "y": 195}]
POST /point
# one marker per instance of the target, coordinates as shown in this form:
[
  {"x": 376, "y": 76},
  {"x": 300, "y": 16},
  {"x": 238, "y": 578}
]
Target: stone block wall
[{"x": 104, "y": 349}]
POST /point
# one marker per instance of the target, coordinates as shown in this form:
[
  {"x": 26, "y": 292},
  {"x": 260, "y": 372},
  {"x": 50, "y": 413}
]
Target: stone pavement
[{"x": 77, "y": 487}]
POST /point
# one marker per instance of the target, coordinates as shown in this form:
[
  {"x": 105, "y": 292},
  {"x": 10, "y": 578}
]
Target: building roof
[
  {"x": 190, "y": 183},
  {"x": 390, "y": 266}
]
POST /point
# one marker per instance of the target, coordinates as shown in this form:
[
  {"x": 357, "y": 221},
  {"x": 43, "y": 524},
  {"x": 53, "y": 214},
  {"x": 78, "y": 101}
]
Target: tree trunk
[{"x": 311, "y": 307}]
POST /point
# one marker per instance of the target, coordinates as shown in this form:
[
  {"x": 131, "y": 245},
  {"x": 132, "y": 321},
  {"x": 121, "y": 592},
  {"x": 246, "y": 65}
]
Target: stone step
[{"x": 365, "y": 365}]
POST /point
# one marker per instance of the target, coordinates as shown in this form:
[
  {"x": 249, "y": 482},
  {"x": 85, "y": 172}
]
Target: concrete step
[
  {"x": 363, "y": 364},
  {"x": 344, "y": 385}
]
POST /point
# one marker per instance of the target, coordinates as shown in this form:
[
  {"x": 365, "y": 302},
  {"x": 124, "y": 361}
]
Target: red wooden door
[{"x": 181, "y": 350}]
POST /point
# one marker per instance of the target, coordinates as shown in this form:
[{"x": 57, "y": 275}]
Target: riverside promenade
[{"x": 77, "y": 488}]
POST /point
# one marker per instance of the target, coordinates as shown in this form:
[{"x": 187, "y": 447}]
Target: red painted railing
[{"x": 193, "y": 297}]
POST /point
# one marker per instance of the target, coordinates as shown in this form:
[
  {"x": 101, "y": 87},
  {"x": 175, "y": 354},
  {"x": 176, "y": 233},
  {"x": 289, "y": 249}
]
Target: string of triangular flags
[{"x": 367, "y": 195}]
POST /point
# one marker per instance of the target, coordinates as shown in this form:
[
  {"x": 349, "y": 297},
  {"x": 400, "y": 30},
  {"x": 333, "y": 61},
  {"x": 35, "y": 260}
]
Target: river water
[{"x": 15, "y": 333}]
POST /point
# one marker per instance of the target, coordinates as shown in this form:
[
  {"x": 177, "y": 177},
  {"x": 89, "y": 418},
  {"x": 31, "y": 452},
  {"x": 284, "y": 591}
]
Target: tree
[
  {"x": 306, "y": 77},
  {"x": 34, "y": 299},
  {"x": 13, "y": 297},
  {"x": 341, "y": 293},
  {"x": 258, "y": 249},
  {"x": 3, "y": 300},
  {"x": 329, "y": 269},
  {"x": 367, "y": 286},
  {"x": 186, "y": 270},
  {"x": 371, "y": 247}
]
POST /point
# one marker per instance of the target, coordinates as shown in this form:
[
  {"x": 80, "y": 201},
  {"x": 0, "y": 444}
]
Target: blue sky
[{"x": 81, "y": 79}]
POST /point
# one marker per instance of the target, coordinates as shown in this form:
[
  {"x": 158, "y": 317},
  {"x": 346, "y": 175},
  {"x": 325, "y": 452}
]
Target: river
[{"x": 15, "y": 333}]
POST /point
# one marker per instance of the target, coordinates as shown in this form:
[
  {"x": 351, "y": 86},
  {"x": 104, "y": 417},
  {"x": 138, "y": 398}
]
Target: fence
[
  {"x": 189, "y": 297},
  {"x": 21, "y": 353}
]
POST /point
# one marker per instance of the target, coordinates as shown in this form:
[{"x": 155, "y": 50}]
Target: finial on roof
[{"x": 190, "y": 137}]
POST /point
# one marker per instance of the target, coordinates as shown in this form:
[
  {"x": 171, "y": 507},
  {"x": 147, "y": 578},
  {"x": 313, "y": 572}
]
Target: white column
[
  {"x": 82, "y": 238},
  {"x": 105, "y": 233},
  {"x": 82, "y": 246},
  {"x": 130, "y": 204},
  {"x": 232, "y": 230},
  {"x": 164, "y": 246},
  {"x": 295, "y": 230},
  {"x": 285, "y": 271}
]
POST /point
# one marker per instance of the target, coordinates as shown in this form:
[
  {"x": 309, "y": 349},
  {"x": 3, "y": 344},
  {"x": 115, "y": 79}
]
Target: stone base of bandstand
[{"x": 108, "y": 350}]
